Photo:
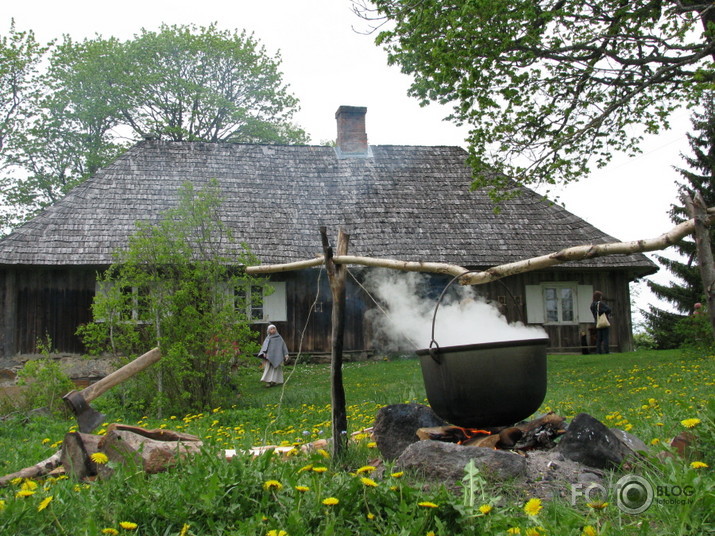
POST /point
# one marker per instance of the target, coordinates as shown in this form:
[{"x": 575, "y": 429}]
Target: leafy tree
[
  {"x": 174, "y": 287},
  {"x": 550, "y": 87},
  {"x": 101, "y": 95},
  {"x": 189, "y": 83},
  {"x": 20, "y": 56},
  {"x": 687, "y": 289}
]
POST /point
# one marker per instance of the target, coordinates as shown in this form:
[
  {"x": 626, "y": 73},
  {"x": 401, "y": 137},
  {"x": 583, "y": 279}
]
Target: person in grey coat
[{"x": 273, "y": 353}]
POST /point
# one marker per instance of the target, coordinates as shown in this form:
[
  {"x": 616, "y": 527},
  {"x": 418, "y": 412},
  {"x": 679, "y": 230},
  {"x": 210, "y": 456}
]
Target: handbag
[{"x": 602, "y": 321}]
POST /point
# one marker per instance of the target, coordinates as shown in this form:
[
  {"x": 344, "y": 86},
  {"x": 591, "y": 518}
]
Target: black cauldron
[{"x": 483, "y": 385}]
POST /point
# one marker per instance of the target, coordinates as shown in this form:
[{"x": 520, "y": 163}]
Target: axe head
[{"x": 88, "y": 418}]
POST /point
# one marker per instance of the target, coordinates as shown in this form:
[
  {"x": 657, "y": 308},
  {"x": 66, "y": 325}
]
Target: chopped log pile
[{"x": 151, "y": 450}]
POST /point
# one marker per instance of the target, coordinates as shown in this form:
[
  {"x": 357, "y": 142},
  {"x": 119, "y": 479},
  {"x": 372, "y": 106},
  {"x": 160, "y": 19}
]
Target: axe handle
[{"x": 121, "y": 374}]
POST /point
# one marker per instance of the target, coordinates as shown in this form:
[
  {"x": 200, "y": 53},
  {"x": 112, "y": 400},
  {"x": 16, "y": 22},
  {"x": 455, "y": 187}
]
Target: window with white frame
[
  {"x": 263, "y": 306},
  {"x": 558, "y": 303},
  {"x": 136, "y": 299}
]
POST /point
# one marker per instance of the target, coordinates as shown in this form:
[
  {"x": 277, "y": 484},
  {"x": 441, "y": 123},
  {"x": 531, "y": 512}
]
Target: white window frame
[
  {"x": 273, "y": 306},
  {"x": 536, "y": 303},
  {"x": 106, "y": 286}
]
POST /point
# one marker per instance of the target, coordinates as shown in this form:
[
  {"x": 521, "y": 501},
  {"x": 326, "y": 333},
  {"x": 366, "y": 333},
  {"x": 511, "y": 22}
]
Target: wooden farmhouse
[{"x": 410, "y": 203}]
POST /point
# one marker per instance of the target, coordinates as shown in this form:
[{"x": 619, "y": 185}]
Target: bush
[
  {"x": 696, "y": 332},
  {"x": 45, "y": 383},
  {"x": 644, "y": 341}
]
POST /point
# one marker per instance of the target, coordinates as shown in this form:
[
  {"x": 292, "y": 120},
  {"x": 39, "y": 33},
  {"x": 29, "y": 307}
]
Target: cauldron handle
[
  {"x": 433, "y": 346},
  {"x": 434, "y": 352}
]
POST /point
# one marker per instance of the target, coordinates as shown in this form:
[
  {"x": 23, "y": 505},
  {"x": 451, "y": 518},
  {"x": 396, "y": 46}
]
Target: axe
[{"x": 89, "y": 418}]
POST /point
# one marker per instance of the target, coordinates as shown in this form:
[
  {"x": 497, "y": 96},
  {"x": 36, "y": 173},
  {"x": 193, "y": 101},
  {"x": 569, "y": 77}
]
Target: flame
[{"x": 471, "y": 433}]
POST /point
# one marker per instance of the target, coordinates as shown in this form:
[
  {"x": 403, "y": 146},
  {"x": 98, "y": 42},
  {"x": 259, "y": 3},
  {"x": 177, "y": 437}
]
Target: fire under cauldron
[{"x": 483, "y": 385}]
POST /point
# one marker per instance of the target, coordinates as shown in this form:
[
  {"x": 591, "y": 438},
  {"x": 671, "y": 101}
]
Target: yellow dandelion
[
  {"x": 29, "y": 485},
  {"x": 372, "y": 445},
  {"x": 272, "y": 484},
  {"x": 597, "y": 505},
  {"x": 430, "y": 533},
  {"x": 184, "y": 529},
  {"x": 698, "y": 465},
  {"x": 45, "y": 502},
  {"x": 534, "y": 532},
  {"x": 24, "y": 493},
  {"x": 654, "y": 441},
  {"x": 514, "y": 530},
  {"x": 690, "y": 423},
  {"x": 319, "y": 469},
  {"x": 533, "y": 507},
  {"x": 275, "y": 532},
  {"x": 370, "y": 516},
  {"x": 398, "y": 474},
  {"x": 16, "y": 481},
  {"x": 302, "y": 489},
  {"x": 128, "y": 525},
  {"x": 99, "y": 457},
  {"x": 324, "y": 453},
  {"x": 305, "y": 468},
  {"x": 369, "y": 482},
  {"x": 365, "y": 469},
  {"x": 588, "y": 530},
  {"x": 330, "y": 501},
  {"x": 110, "y": 531},
  {"x": 394, "y": 488},
  {"x": 45, "y": 441},
  {"x": 485, "y": 508},
  {"x": 427, "y": 504},
  {"x": 2, "y": 505}
]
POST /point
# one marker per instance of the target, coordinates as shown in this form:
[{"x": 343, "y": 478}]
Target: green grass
[{"x": 647, "y": 393}]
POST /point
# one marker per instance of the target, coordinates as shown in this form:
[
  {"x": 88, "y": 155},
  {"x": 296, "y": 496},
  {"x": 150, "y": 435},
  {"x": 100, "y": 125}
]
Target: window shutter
[
  {"x": 585, "y": 296},
  {"x": 534, "y": 304},
  {"x": 274, "y": 305}
]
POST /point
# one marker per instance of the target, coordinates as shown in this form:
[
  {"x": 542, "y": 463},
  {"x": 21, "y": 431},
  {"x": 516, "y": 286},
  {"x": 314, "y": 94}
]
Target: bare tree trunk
[
  {"x": 336, "y": 276},
  {"x": 698, "y": 212}
]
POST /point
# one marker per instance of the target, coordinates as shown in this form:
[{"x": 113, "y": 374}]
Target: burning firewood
[{"x": 538, "y": 433}]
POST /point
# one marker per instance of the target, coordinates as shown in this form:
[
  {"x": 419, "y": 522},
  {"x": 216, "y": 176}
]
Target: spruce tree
[{"x": 686, "y": 288}]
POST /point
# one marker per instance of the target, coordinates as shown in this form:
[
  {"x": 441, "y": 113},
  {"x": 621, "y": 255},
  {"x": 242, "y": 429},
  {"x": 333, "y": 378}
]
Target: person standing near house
[
  {"x": 273, "y": 353},
  {"x": 598, "y": 307}
]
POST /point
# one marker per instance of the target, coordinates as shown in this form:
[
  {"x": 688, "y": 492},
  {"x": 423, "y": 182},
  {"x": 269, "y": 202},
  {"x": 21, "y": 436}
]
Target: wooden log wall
[
  {"x": 46, "y": 303},
  {"x": 36, "y": 303}
]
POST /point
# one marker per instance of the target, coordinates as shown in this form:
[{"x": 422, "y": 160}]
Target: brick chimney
[{"x": 352, "y": 137}]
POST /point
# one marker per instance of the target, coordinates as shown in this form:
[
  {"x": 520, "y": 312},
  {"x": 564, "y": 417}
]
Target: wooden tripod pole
[{"x": 336, "y": 277}]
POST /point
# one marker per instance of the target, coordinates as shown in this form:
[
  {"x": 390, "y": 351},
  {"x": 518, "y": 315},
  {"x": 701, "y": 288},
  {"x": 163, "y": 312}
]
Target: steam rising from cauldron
[{"x": 462, "y": 318}]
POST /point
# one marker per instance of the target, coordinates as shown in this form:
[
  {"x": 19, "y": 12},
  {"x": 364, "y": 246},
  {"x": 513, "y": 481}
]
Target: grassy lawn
[{"x": 649, "y": 394}]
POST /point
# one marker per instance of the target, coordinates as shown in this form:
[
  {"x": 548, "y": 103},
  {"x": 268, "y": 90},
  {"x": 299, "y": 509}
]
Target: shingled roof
[{"x": 401, "y": 202}]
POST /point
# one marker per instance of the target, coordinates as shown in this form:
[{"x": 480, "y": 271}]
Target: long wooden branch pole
[
  {"x": 575, "y": 253},
  {"x": 706, "y": 263},
  {"x": 336, "y": 276}
]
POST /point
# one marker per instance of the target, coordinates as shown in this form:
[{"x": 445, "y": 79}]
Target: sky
[{"x": 329, "y": 60}]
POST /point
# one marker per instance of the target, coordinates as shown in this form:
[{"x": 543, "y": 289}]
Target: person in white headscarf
[{"x": 273, "y": 353}]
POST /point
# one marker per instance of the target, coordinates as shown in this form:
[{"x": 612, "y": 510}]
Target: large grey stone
[
  {"x": 396, "y": 427},
  {"x": 629, "y": 440},
  {"x": 588, "y": 441},
  {"x": 445, "y": 462}
]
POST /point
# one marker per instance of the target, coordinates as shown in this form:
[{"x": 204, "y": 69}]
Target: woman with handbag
[{"x": 602, "y": 316}]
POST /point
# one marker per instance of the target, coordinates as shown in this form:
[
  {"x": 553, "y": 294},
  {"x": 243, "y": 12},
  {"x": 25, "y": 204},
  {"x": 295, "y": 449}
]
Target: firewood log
[{"x": 39, "y": 469}]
